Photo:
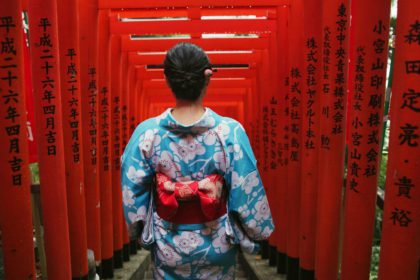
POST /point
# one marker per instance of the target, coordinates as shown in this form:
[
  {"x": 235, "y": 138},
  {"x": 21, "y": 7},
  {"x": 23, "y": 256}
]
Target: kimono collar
[{"x": 167, "y": 121}]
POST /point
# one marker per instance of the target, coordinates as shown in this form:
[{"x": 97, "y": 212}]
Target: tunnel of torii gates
[{"x": 308, "y": 87}]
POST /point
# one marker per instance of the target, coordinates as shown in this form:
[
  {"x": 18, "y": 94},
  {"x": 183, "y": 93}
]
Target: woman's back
[{"x": 200, "y": 181}]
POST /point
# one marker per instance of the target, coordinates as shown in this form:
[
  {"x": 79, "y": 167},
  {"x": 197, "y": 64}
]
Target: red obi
[{"x": 192, "y": 202}]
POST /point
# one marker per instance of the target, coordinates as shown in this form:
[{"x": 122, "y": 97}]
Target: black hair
[{"x": 184, "y": 68}]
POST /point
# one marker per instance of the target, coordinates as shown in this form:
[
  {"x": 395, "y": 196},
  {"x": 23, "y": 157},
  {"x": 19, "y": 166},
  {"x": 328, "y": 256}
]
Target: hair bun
[{"x": 184, "y": 68}]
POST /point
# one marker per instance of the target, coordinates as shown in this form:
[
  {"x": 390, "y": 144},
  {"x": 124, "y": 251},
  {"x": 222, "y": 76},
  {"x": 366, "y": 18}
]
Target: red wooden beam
[
  {"x": 105, "y": 143},
  {"x": 132, "y": 4},
  {"x": 15, "y": 206},
  {"x": 131, "y": 88},
  {"x": 310, "y": 131},
  {"x": 214, "y": 83},
  {"x": 244, "y": 26},
  {"x": 400, "y": 240},
  {"x": 115, "y": 129},
  {"x": 207, "y": 44},
  {"x": 296, "y": 82},
  {"x": 221, "y": 73},
  {"x": 72, "y": 124},
  {"x": 185, "y": 12},
  {"x": 215, "y": 58},
  {"x": 282, "y": 139},
  {"x": 124, "y": 140},
  {"x": 367, "y": 77},
  {"x": 336, "y": 16},
  {"x": 89, "y": 98},
  {"x": 49, "y": 134}
]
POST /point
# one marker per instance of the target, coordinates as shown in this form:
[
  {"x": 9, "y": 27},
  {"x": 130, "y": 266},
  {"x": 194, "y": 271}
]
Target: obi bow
[{"x": 207, "y": 193}]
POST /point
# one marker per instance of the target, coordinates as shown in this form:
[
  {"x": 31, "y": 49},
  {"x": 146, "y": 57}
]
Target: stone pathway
[
  {"x": 249, "y": 267},
  {"x": 240, "y": 273},
  {"x": 260, "y": 269}
]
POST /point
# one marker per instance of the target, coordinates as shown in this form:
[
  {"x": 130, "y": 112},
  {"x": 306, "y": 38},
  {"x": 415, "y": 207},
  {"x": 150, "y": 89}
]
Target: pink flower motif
[
  {"x": 220, "y": 242},
  {"x": 167, "y": 254},
  {"x": 187, "y": 149},
  {"x": 137, "y": 216},
  {"x": 149, "y": 140},
  {"x": 251, "y": 181},
  {"x": 135, "y": 176},
  {"x": 166, "y": 165},
  {"x": 210, "y": 137},
  {"x": 262, "y": 209},
  {"x": 223, "y": 130},
  {"x": 220, "y": 160},
  {"x": 188, "y": 241},
  {"x": 128, "y": 196}
]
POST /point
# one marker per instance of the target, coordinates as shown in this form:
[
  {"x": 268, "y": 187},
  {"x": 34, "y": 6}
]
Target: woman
[{"x": 207, "y": 193}]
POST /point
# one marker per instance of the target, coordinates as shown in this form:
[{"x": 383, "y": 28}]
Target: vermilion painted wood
[
  {"x": 273, "y": 109},
  {"x": 138, "y": 88},
  {"x": 296, "y": 81},
  {"x": 89, "y": 97},
  {"x": 225, "y": 87},
  {"x": 230, "y": 96},
  {"x": 282, "y": 120},
  {"x": 72, "y": 131},
  {"x": 369, "y": 25},
  {"x": 215, "y": 58},
  {"x": 400, "y": 241},
  {"x": 124, "y": 101},
  {"x": 215, "y": 82},
  {"x": 233, "y": 110},
  {"x": 49, "y": 134},
  {"x": 130, "y": 4},
  {"x": 221, "y": 73},
  {"x": 265, "y": 80},
  {"x": 131, "y": 80},
  {"x": 33, "y": 154},
  {"x": 116, "y": 96},
  {"x": 104, "y": 138},
  {"x": 25, "y": 5},
  {"x": 206, "y": 44},
  {"x": 15, "y": 206},
  {"x": 244, "y": 26},
  {"x": 125, "y": 128},
  {"x": 221, "y": 94},
  {"x": 311, "y": 90},
  {"x": 184, "y": 12},
  {"x": 332, "y": 129}
]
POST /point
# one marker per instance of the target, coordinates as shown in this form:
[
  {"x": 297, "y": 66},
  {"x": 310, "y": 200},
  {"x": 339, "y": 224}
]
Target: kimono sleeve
[
  {"x": 136, "y": 181},
  {"x": 247, "y": 200}
]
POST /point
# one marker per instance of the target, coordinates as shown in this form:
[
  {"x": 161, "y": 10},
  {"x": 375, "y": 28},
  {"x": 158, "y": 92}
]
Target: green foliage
[
  {"x": 34, "y": 169},
  {"x": 374, "y": 265}
]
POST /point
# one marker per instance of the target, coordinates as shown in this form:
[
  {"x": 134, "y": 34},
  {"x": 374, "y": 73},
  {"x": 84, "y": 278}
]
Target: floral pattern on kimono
[{"x": 212, "y": 145}]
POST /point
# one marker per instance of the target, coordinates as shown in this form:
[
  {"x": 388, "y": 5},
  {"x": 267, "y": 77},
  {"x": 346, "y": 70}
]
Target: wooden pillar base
[
  {"x": 126, "y": 252},
  {"x": 305, "y": 274},
  {"x": 292, "y": 268},
  {"x": 264, "y": 249},
  {"x": 281, "y": 263},
  {"x": 118, "y": 259},
  {"x": 107, "y": 268},
  {"x": 272, "y": 259},
  {"x": 133, "y": 247}
]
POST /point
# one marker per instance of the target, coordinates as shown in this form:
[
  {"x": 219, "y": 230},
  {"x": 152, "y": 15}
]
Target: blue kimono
[{"x": 212, "y": 145}]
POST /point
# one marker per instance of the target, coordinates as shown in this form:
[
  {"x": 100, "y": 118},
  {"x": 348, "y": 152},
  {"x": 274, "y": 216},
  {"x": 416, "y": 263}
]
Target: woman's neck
[{"x": 187, "y": 112}]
